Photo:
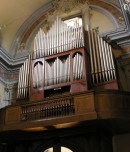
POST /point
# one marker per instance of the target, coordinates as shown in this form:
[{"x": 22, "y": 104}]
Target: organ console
[{"x": 62, "y": 64}]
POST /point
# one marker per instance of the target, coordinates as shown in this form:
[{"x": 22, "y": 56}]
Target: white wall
[
  {"x": 100, "y": 20},
  {"x": 2, "y": 94}
]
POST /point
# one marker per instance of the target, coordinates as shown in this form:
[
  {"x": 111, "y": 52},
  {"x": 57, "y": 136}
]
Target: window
[
  {"x": 58, "y": 149},
  {"x": 74, "y": 21}
]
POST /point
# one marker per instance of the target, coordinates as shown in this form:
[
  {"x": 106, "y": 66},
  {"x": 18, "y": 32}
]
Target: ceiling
[
  {"x": 21, "y": 9},
  {"x": 14, "y": 13}
]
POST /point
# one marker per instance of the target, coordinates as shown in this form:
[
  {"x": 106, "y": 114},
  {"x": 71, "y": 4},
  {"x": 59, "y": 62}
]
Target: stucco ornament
[
  {"x": 66, "y": 6},
  {"x": 127, "y": 5}
]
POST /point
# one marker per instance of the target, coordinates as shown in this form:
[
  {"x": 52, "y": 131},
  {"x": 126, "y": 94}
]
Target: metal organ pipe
[
  {"x": 101, "y": 61},
  {"x": 102, "y": 64},
  {"x": 97, "y": 55},
  {"x": 37, "y": 74},
  {"x": 77, "y": 67},
  {"x": 23, "y": 83},
  {"x": 107, "y": 60},
  {"x": 94, "y": 56},
  {"x": 60, "y": 38},
  {"x": 57, "y": 71},
  {"x": 112, "y": 62},
  {"x": 19, "y": 84},
  {"x": 91, "y": 56}
]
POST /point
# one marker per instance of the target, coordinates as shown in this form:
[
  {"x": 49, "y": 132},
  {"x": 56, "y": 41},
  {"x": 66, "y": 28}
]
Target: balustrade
[{"x": 48, "y": 109}]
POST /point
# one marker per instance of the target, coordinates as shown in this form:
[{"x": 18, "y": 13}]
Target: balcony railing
[{"x": 48, "y": 109}]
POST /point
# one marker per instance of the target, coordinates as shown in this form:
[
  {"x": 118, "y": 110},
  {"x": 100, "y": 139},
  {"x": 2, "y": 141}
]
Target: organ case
[
  {"x": 63, "y": 72},
  {"x": 66, "y": 60}
]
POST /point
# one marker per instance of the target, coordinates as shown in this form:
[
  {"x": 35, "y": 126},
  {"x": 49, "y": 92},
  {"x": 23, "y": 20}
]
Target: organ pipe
[
  {"x": 77, "y": 67},
  {"x": 102, "y": 64},
  {"x": 23, "y": 83},
  {"x": 60, "y": 38},
  {"x": 57, "y": 71}
]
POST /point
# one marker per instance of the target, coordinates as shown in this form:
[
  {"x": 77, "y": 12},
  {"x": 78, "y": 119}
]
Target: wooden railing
[{"x": 48, "y": 109}]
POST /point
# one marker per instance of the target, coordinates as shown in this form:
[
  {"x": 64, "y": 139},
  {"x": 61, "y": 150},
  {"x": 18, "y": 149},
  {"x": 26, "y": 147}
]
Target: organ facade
[{"x": 67, "y": 59}]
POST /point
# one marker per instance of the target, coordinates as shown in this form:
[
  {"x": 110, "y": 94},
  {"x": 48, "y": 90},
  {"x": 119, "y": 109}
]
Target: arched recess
[
  {"x": 30, "y": 27},
  {"x": 99, "y": 9},
  {"x": 108, "y": 15},
  {"x": 58, "y": 145}
]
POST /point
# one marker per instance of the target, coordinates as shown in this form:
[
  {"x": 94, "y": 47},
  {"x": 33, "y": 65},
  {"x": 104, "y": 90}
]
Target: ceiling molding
[
  {"x": 10, "y": 63},
  {"x": 7, "y": 82},
  {"x": 108, "y": 14}
]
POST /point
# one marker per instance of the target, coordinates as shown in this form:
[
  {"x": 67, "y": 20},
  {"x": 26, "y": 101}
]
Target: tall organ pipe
[
  {"x": 113, "y": 67},
  {"x": 23, "y": 83},
  {"x": 101, "y": 61},
  {"x": 91, "y": 54},
  {"x": 60, "y": 38},
  {"x": 104, "y": 60},
  {"x": 102, "y": 64},
  {"x": 97, "y": 54},
  {"x": 94, "y": 56}
]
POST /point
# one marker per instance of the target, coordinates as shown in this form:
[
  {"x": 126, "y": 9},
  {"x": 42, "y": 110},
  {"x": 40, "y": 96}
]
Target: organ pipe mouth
[{"x": 37, "y": 63}]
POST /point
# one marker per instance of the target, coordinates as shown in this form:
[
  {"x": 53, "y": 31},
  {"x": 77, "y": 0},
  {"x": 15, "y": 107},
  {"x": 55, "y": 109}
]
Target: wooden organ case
[{"x": 66, "y": 60}]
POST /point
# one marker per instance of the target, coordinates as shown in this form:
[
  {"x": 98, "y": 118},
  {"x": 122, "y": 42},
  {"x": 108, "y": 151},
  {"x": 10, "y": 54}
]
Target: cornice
[
  {"x": 122, "y": 35},
  {"x": 7, "y": 82},
  {"x": 10, "y": 63}
]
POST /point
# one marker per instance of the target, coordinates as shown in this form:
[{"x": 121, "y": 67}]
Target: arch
[
  {"x": 107, "y": 14},
  {"x": 58, "y": 143},
  {"x": 38, "y": 18}
]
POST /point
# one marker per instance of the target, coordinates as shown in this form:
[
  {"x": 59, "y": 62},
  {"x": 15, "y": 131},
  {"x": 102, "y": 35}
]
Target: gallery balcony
[{"x": 66, "y": 110}]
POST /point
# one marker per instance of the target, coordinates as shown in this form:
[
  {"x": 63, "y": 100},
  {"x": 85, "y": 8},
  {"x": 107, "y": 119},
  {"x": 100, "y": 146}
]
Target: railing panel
[{"x": 48, "y": 109}]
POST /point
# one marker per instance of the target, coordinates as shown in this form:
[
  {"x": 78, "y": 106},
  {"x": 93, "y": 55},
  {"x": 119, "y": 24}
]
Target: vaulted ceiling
[{"x": 14, "y": 13}]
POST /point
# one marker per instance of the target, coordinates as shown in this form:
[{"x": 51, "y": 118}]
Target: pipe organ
[{"x": 59, "y": 62}]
